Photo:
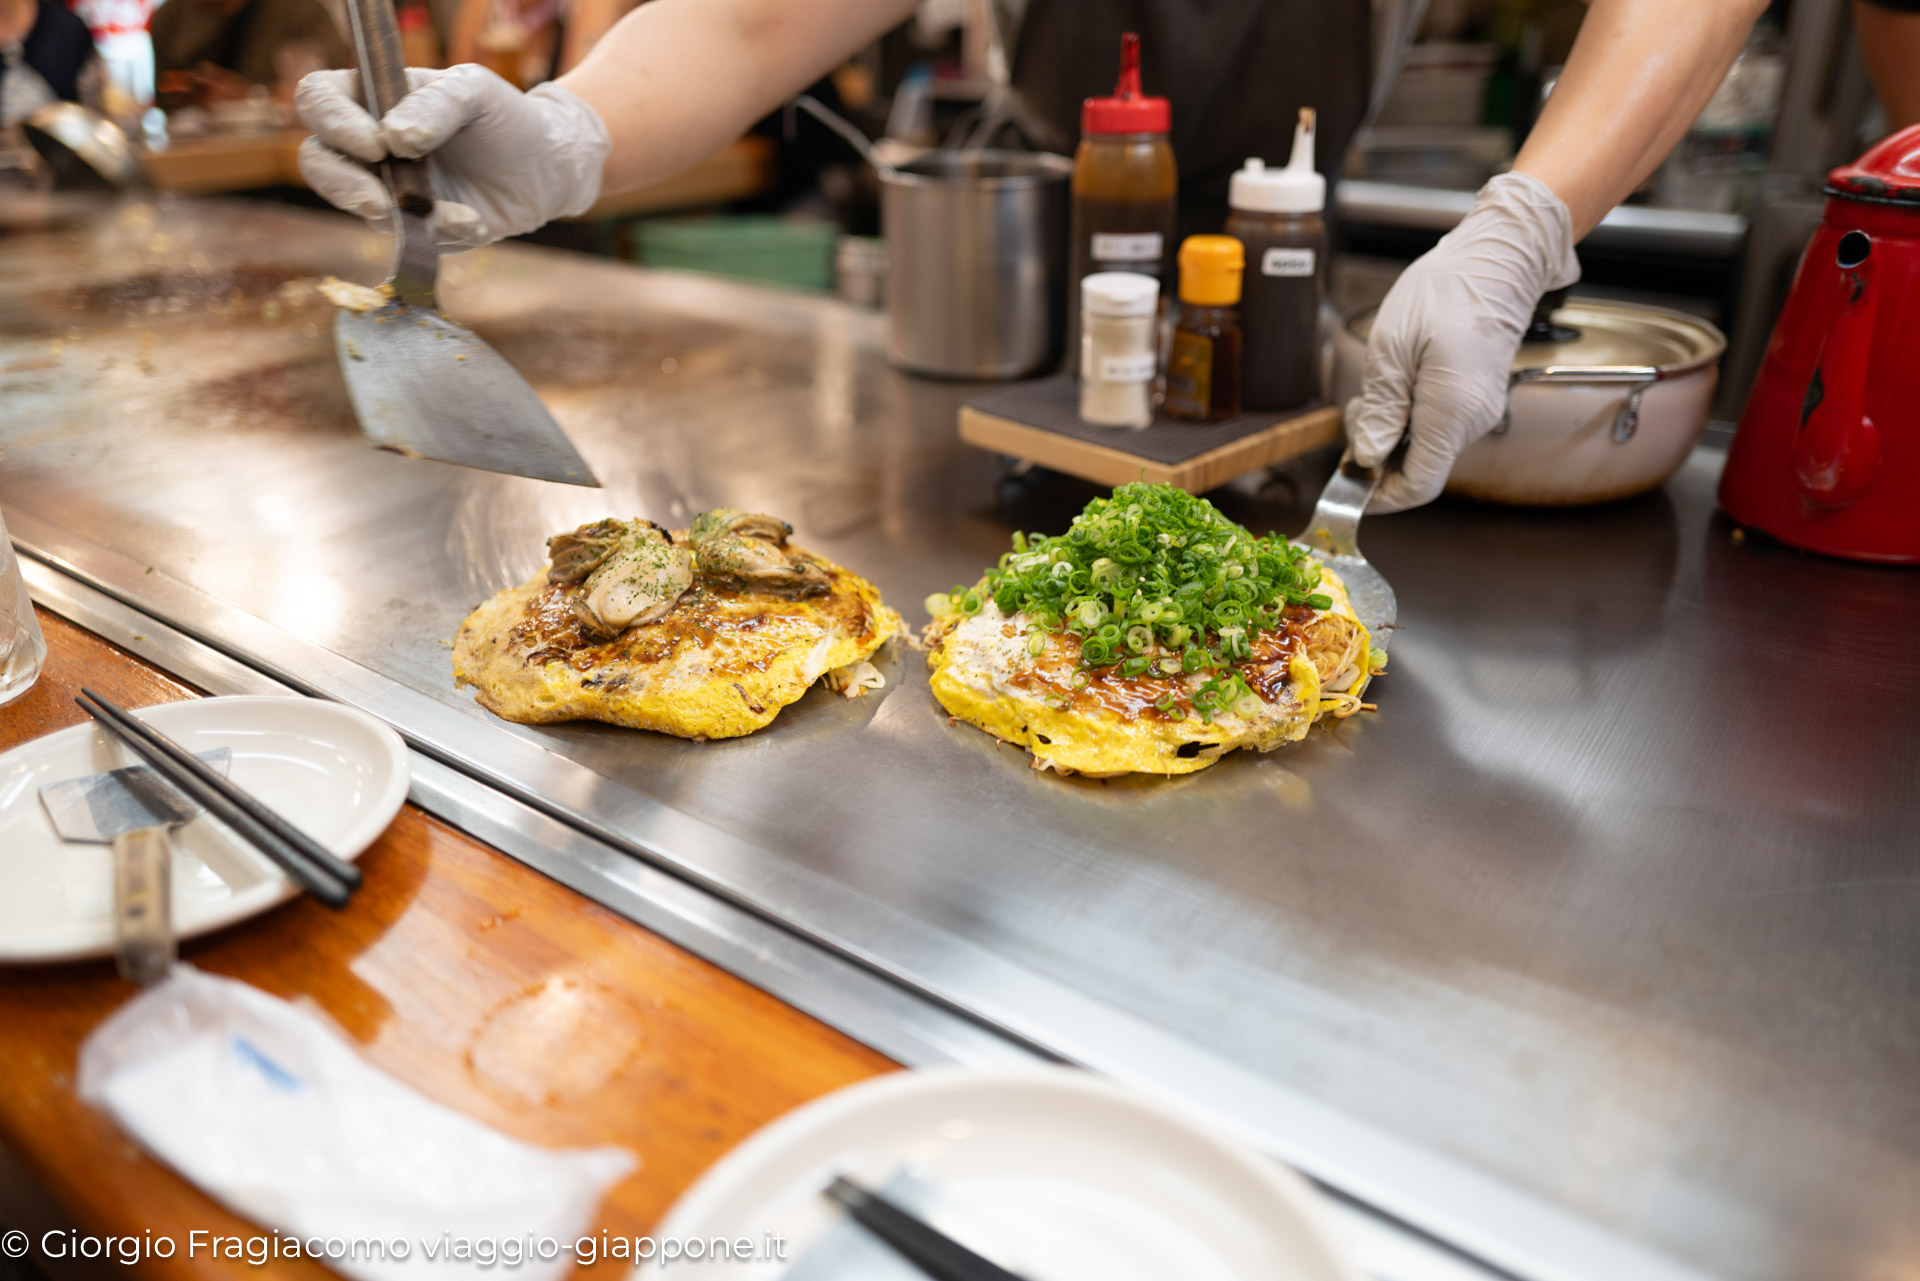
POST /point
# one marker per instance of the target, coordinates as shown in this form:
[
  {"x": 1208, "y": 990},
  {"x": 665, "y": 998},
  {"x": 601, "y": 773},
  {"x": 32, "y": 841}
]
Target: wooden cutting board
[{"x": 1039, "y": 421}]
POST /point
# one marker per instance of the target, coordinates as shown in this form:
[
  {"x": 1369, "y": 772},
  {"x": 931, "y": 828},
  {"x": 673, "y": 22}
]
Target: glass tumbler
[{"x": 22, "y": 648}]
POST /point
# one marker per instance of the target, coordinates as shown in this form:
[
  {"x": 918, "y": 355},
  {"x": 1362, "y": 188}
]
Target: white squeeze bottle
[{"x": 1276, "y": 214}]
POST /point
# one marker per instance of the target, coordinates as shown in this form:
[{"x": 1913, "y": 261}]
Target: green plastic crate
[{"x": 748, "y": 246}]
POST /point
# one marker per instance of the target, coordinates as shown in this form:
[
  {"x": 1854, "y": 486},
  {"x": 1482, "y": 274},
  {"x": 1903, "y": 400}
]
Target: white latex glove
[
  {"x": 504, "y": 162},
  {"x": 1442, "y": 345}
]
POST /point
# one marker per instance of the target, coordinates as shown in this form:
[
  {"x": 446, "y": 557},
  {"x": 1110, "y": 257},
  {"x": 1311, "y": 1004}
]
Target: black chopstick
[
  {"x": 324, "y": 875},
  {"x": 320, "y": 855},
  {"x": 256, "y": 824},
  {"x": 913, "y": 1238}
]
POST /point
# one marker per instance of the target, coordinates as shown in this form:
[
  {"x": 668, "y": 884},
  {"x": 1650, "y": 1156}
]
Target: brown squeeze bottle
[
  {"x": 1276, "y": 214},
  {"x": 1124, "y": 188},
  {"x": 1203, "y": 368}
]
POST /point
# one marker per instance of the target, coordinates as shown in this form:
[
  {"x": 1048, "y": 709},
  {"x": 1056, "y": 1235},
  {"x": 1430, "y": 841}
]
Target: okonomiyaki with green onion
[{"x": 1154, "y": 636}]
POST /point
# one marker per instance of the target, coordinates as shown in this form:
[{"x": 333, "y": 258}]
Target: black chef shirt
[{"x": 58, "y": 46}]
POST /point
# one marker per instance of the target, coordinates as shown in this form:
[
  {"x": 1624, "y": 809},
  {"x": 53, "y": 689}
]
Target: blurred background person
[
  {"x": 245, "y": 39},
  {"x": 46, "y": 55}
]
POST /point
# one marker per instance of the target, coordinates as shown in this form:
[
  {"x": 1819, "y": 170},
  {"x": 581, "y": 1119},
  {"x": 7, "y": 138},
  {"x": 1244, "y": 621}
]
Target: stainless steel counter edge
[
  {"x": 864, "y": 1005},
  {"x": 1458, "y": 1205}
]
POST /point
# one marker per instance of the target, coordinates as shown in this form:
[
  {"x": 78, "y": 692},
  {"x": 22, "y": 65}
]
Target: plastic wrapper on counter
[{"x": 271, "y": 1113}]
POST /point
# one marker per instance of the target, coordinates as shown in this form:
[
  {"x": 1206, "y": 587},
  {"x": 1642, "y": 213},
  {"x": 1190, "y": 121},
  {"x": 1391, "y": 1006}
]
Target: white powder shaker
[{"x": 1119, "y": 348}]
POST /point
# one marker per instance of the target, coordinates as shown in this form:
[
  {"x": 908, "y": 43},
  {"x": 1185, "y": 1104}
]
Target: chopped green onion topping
[{"x": 1153, "y": 573}]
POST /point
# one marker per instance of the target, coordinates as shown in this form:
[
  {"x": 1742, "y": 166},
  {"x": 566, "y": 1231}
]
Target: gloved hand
[
  {"x": 1442, "y": 344},
  {"x": 504, "y": 162}
]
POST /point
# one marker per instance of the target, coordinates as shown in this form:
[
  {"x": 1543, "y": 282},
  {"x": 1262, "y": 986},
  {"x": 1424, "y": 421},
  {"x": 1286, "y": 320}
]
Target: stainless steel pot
[
  {"x": 976, "y": 261},
  {"x": 1606, "y": 407}
]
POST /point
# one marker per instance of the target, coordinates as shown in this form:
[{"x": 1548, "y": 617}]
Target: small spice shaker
[{"x": 1118, "y": 347}]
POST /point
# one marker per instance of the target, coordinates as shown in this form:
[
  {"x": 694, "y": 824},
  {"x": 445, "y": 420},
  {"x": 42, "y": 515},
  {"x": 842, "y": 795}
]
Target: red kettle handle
[{"x": 1837, "y": 451}]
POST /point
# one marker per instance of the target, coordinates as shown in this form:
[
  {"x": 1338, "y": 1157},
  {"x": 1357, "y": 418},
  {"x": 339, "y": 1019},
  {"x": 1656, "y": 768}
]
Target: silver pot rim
[{"x": 1042, "y": 168}]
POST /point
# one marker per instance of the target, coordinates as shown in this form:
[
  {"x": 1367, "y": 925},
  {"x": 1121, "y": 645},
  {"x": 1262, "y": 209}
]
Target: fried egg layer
[
  {"x": 720, "y": 664},
  {"x": 984, "y": 675}
]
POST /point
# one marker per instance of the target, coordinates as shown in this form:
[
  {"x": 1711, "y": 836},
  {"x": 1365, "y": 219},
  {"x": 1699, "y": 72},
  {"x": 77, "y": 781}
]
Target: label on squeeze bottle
[
  {"x": 1286, "y": 262},
  {"x": 1111, "y": 246}
]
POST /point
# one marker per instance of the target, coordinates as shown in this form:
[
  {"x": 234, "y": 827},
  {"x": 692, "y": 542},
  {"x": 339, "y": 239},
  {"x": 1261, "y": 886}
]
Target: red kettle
[{"x": 1828, "y": 452}]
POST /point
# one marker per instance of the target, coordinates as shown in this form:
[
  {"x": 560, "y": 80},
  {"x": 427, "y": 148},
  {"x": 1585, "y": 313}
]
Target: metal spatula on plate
[
  {"x": 1333, "y": 537},
  {"x": 420, "y": 383},
  {"x": 132, "y": 810}
]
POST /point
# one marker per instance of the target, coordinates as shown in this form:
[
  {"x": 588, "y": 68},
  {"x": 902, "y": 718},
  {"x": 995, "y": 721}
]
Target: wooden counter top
[{"x": 464, "y": 974}]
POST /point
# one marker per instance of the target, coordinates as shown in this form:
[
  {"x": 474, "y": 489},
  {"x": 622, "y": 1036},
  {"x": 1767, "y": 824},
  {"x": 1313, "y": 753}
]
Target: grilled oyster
[
  {"x": 633, "y": 572},
  {"x": 578, "y": 552},
  {"x": 748, "y": 551}
]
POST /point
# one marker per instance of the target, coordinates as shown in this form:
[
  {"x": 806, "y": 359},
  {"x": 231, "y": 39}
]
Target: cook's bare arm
[
  {"x": 1639, "y": 74},
  {"x": 676, "y": 80},
  {"x": 1444, "y": 339},
  {"x": 671, "y": 83}
]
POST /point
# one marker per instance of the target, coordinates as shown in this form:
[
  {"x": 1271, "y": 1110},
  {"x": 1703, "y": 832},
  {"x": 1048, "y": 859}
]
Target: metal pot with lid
[{"x": 1606, "y": 401}]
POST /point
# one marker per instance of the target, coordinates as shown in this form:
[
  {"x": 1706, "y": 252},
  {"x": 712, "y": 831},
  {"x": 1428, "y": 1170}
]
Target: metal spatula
[
  {"x": 1333, "y": 537},
  {"x": 131, "y": 809},
  {"x": 421, "y": 384}
]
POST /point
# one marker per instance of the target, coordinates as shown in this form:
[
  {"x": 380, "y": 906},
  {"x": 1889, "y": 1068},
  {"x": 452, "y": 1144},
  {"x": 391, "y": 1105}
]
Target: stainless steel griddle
[{"x": 1596, "y": 952}]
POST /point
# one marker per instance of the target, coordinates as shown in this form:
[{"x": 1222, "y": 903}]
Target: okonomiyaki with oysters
[
  {"x": 705, "y": 632},
  {"x": 1154, "y": 636}
]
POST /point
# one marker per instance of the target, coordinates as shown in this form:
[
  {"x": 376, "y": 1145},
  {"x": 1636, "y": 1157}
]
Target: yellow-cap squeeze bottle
[{"x": 1203, "y": 369}]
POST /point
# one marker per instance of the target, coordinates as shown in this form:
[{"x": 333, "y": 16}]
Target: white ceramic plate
[
  {"x": 1057, "y": 1174},
  {"x": 335, "y": 773}
]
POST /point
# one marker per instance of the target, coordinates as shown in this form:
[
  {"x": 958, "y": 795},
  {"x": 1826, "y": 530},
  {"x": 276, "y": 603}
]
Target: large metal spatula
[
  {"x": 1333, "y": 536},
  {"x": 421, "y": 384}
]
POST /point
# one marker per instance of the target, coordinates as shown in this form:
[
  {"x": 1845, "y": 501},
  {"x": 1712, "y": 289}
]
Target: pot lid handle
[{"x": 1542, "y": 329}]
